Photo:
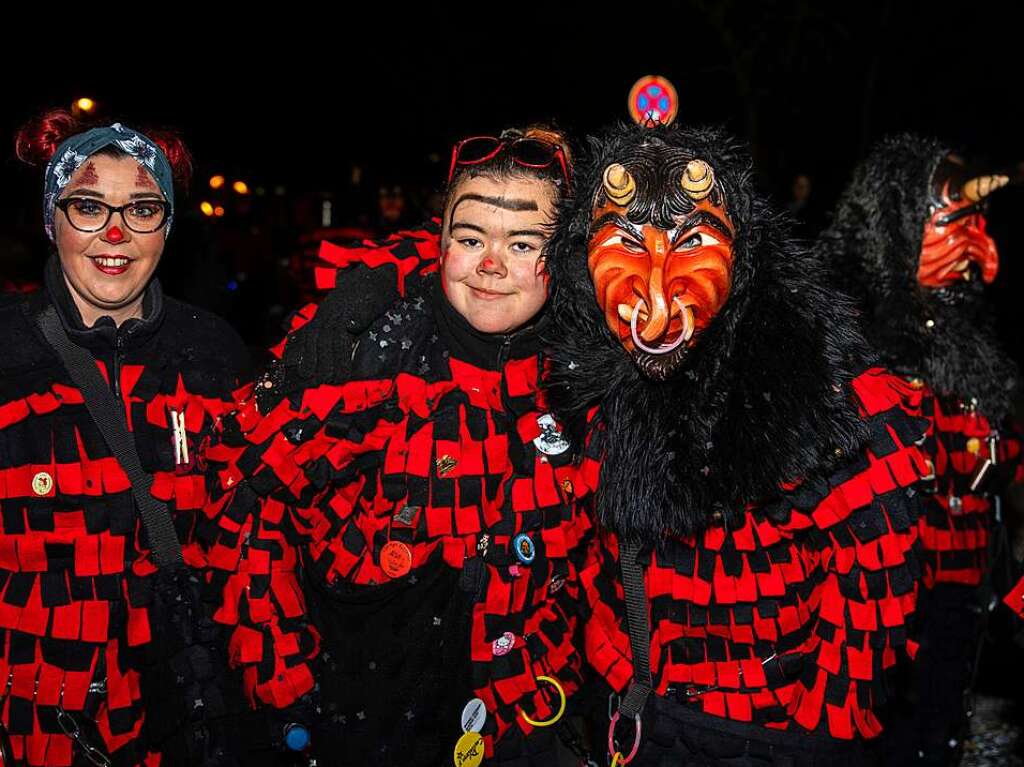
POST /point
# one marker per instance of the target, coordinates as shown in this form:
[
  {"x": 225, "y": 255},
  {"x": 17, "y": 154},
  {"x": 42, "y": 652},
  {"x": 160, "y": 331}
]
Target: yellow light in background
[
  {"x": 218, "y": 211},
  {"x": 85, "y": 105},
  {"x": 216, "y": 182},
  {"x": 206, "y": 207},
  {"x": 241, "y": 187}
]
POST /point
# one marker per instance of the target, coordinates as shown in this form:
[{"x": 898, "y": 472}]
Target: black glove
[{"x": 321, "y": 351}]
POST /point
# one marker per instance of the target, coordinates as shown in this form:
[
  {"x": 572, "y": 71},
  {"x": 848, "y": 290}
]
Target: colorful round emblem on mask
[{"x": 653, "y": 99}]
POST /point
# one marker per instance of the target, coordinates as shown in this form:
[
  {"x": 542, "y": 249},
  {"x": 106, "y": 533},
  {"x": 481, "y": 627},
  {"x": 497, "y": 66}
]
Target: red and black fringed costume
[
  {"x": 76, "y": 578},
  {"x": 908, "y": 241},
  {"x": 762, "y": 474},
  {"x": 399, "y": 527}
]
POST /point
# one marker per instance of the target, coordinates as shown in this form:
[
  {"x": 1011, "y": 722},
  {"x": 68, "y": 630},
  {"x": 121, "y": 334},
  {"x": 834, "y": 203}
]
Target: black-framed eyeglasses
[
  {"x": 528, "y": 152},
  {"x": 89, "y": 215}
]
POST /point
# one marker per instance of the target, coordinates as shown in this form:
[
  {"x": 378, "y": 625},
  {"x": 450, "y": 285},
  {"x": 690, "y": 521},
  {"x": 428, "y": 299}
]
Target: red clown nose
[{"x": 114, "y": 234}]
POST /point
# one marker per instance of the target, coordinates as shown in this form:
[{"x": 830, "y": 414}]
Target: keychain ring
[{"x": 561, "y": 705}]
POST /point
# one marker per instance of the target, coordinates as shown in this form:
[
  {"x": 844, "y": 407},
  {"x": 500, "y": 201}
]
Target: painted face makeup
[
  {"x": 108, "y": 270},
  {"x": 114, "y": 235},
  {"x": 491, "y": 268},
  {"x": 143, "y": 180},
  {"x": 88, "y": 174},
  {"x": 660, "y": 256},
  {"x": 955, "y": 244}
]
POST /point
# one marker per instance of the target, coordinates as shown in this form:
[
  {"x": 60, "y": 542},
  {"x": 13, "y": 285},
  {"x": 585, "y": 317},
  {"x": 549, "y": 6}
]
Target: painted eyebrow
[
  {"x": 505, "y": 203},
  {"x": 515, "y": 233},
  {"x": 619, "y": 221},
  {"x": 87, "y": 192},
  {"x": 463, "y": 225},
  {"x": 151, "y": 195},
  {"x": 705, "y": 217}
]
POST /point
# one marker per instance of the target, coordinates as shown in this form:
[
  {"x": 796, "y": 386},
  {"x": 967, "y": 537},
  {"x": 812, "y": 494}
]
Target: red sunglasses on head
[{"x": 528, "y": 152}]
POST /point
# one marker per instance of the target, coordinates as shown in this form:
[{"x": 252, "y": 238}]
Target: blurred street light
[
  {"x": 206, "y": 207},
  {"x": 216, "y": 182},
  {"x": 83, "y": 106},
  {"x": 240, "y": 187}
]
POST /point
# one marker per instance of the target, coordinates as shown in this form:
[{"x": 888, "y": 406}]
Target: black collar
[
  {"x": 488, "y": 351},
  {"x": 104, "y": 334}
]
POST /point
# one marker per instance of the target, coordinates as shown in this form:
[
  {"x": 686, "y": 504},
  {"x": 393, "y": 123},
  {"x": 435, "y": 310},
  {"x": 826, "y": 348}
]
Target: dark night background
[
  {"x": 310, "y": 107},
  {"x": 316, "y": 102}
]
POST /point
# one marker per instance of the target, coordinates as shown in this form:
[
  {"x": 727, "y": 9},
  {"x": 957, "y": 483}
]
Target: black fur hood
[
  {"x": 872, "y": 248},
  {"x": 762, "y": 398}
]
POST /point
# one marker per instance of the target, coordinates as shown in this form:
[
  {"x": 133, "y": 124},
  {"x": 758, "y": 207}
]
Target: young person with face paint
[
  {"x": 416, "y": 514},
  {"x": 908, "y": 241},
  {"x": 755, "y": 563},
  {"x": 78, "y": 632}
]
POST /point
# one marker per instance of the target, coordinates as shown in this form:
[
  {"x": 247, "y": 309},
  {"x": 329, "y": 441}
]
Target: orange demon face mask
[
  {"x": 955, "y": 243},
  {"x": 660, "y": 255}
]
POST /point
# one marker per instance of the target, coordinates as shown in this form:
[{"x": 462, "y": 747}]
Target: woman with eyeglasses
[
  {"x": 398, "y": 506},
  {"x": 95, "y": 666}
]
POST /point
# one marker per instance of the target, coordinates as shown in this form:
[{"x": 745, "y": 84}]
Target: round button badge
[
  {"x": 42, "y": 483},
  {"x": 469, "y": 750},
  {"x": 474, "y": 715},
  {"x": 524, "y": 548},
  {"x": 395, "y": 559},
  {"x": 503, "y": 645}
]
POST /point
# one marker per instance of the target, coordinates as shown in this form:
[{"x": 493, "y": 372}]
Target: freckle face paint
[
  {"x": 143, "y": 179},
  {"x": 89, "y": 175}
]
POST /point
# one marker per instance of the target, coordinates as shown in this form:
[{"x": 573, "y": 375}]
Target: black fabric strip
[
  {"x": 639, "y": 631},
  {"x": 110, "y": 420}
]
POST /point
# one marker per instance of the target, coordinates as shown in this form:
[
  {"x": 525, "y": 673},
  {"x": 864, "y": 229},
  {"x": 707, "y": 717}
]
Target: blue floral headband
[{"x": 76, "y": 149}]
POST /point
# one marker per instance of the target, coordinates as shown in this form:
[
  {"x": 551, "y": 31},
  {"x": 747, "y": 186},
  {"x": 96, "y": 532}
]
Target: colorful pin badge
[
  {"x": 395, "y": 559},
  {"x": 445, "y": 464},
  {"x": 550, "y": 441},
  {"x": 469, "y": 750},
  {"x": 483, "y": 544},
  {"x": 503, "y": 645},
  {"x": 406, "y": 516},
  {"x": 524, "y": 548},
  {"x": 474, "y": 715},
  {"x": 42, "y": 483}
]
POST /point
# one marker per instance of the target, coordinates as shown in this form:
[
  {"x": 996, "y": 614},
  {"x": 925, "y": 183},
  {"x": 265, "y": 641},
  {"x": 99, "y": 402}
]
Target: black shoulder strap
[
  {"x": 640, "y": 687},
  {"x": 109, "y": 418}
]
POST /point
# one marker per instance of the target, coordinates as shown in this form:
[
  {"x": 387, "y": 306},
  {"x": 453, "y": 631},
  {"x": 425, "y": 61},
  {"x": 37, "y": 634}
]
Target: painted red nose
[{"x": 114, "y": 234}]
